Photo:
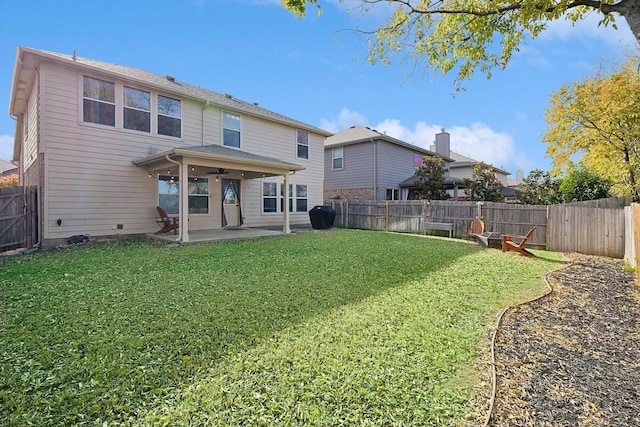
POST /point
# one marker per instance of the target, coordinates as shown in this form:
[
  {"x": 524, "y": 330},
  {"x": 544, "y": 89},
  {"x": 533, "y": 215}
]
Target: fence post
[
  {"x": 425, "y": 216},
  {"x": 386, "y": 215},
  {"x": 346, "y": 210},
  {"x": 479, "y": 204}
]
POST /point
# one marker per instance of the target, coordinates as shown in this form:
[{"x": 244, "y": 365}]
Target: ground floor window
[
  {"x": 169, "y": 195},
  {"x": 393, "y": 194},
  {"x": 273, "y": 197}
]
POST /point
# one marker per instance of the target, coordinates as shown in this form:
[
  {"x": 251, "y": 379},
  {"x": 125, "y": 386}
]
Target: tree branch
[{"x": 605, "y": 8}]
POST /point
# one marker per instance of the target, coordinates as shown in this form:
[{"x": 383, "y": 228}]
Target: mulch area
[{"x": 573, "y": 357}]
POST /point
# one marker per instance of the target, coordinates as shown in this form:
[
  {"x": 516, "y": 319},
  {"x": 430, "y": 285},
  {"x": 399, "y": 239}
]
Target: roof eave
[
  {"x": 149, "y": 84},
  {"x": 220, "y": 157}
]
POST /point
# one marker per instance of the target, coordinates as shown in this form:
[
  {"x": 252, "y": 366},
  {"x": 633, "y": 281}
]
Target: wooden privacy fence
[
  {"x": 594, "y": 231},
  {"x": 18, "y": 218},
  {"x": 587, "y": 228},
  {"x": 413, "y": 216}
]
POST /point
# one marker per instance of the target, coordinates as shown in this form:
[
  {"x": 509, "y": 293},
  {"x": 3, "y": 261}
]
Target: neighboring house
[
  {"x": 462, "y": 168},
  {"x": 362, "y": 163},
  {"x": 105, "y": 144},
  {"x": 7, "y": 168}
]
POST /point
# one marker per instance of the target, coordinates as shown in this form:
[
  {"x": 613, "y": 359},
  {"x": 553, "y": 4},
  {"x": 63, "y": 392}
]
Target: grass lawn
[{"x": 340, "y": 327}]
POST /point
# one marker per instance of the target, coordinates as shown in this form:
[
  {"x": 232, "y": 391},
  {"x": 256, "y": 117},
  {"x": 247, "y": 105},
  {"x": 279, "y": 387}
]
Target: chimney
[
  {"x": 519, "y": 176},
  {"x": 443, "y": 143}
]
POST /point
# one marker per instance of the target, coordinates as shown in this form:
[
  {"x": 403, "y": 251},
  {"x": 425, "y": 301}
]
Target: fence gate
[{"x": 18, "y": 218}]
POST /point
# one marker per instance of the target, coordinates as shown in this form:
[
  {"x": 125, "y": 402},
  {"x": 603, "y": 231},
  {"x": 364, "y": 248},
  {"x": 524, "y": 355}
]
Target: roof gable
[{"x": 362, "y": 134}]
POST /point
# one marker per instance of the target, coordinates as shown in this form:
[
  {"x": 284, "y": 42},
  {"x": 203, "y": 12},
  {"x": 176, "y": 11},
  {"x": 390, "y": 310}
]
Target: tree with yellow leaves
[
  {"x": 465, "y": 35},
  {"x": 598, "y": 121}
]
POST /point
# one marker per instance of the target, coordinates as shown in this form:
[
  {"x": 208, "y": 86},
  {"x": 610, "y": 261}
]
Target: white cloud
[
  {"x": 588, "y": 31},
  {"x": 346, "y": 118},
  {"x": 6, "y": 147},
  {"x": 477, "y": 140}
]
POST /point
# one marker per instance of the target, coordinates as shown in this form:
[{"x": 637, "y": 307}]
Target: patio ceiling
[{"x": 216, "y": 160}]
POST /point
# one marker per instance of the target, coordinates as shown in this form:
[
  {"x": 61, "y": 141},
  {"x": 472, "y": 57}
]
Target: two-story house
[
  {"x": 462, "y": 167},
  {"x": 362, "y": 163},
  {"x": 105, "y": 144}
]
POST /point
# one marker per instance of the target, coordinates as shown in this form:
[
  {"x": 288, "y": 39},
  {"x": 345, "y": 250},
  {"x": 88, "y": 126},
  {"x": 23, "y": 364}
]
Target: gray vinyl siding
[
  {"x": 357, "y": 171},
  {"x": 92, "y": 185},
  {"x": 395, "y": 164},
  {"x": 30, "y": 151}
]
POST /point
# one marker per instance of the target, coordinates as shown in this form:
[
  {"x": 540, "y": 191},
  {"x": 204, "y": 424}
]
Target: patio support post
[
  {"x": 286, "y": 229},
  {"x": 184, "y": 201}
]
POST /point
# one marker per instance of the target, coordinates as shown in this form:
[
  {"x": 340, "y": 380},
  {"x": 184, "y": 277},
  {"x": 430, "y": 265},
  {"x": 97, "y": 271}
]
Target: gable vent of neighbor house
[{"x": 171, "y": 78}]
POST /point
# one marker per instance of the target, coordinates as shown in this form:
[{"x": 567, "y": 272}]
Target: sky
[{"x": 315, "y": 69}]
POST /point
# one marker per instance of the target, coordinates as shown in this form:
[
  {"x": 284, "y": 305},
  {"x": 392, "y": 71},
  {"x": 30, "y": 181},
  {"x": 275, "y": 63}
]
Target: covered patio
[{"x": 189, "y": 163}]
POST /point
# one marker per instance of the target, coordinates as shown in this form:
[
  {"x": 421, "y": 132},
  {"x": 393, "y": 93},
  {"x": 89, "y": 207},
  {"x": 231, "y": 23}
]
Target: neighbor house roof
[
  {"x": 362, "y": 134},
  {"x": 166, "y": 83}
]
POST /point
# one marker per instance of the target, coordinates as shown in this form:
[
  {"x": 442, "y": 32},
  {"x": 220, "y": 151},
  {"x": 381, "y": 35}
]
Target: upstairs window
[
  {"x": 98, "y": 101},
  {"x": 302, "y": 140},
  {"x": 337, "y": 157},
  {"x": 169, "y": 116},
  {"x": 137, "y": 110},
  {"x": 231, "y": 130},
  {"x": 417, "y": 160}
]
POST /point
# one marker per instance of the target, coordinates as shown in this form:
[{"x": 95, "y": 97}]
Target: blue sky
[{"x": 315, "y": 69}]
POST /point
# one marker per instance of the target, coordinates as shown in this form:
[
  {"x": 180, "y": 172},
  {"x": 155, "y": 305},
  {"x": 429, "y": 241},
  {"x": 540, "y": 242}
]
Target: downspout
[
  {"x": 41, "y": 218},
  {"x": 183, "y": 226},
  {"x": 206, "y": 105}
]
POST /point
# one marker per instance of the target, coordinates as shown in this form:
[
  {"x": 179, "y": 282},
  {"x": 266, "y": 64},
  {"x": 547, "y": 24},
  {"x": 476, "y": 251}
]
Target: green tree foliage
[
  {"x": 483, "y": 184},
  {"x": 581, "y": 184},
  {"x": 539, "y": 188},
  {"x": 469, "y": 35},
  {"x": 9, "y": 181},
  {"x": 430, "y": 181},
  {"x": 598, "y": 120}
]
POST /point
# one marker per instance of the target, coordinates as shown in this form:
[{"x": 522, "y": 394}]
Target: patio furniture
[
  {"x": 477, "y": 227},
  {"x": 166, "y": 222},
  {"x": 509, "y": 245}
]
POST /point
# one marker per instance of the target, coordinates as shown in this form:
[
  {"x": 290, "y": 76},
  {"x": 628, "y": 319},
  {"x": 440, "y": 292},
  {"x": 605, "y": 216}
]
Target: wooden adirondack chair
[
  {"x": 477, "y": 228},
  {"x": 167, "y": 223},
  {"x": 509, "y": 245}
]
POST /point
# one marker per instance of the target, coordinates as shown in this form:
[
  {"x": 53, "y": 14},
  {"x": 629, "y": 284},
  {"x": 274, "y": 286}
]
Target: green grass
[{"x": 342, "y": 327}]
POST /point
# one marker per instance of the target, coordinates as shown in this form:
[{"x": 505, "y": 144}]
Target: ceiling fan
[{"x": 219, "y": 171}]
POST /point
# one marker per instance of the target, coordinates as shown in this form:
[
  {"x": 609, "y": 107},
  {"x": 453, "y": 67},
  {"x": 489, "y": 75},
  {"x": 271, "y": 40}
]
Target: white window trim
[
  {"x": 157, "y": 113},
  {"x": 222, "y": 128},
  {"x": 119, "y": 105},
  {"x": 308, "y": 145},
  {"x": 150, "y": 111},
  {"x": 115, "y": 103},
  {"x": 280, "y": 195},
  {"x": 333, "y": 157}
]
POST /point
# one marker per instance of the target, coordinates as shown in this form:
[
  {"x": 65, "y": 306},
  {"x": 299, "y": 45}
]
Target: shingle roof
[
  {"x": 174, "y": 86},
  {"x": 360, "y": 134}
]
